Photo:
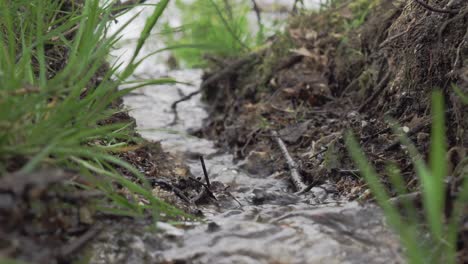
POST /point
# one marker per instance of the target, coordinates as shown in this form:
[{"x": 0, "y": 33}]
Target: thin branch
[
  {"x": 437, "y": 10},
  {"x": 205, "y": 172},
  {"x": 295, "y": 176},
  {"x": 378, "y": 89},
  {"x": 257, "y": 13},
  {"x": 65, "y": 251},
  {"x": 183, "y": 99},
  {"x": 296, "y": 2},
  {"x": 176, "y": 190},
  {"x": 120, "y": 7},
  {"x": 229, "y": 69}
]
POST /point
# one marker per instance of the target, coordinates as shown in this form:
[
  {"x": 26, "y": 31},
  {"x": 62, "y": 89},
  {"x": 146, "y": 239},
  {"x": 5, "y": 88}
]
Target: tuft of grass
[
  {"x": 348, "y": 15},
  {"x": 215, "y": 27},
  {"x": 56, "y": 87},
  {"x": 432, "y": 239}
]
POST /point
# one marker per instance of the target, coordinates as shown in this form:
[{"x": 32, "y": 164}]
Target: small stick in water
[
  {"x": 296, "y": 178},
  {"x": 205, "y": 172}
]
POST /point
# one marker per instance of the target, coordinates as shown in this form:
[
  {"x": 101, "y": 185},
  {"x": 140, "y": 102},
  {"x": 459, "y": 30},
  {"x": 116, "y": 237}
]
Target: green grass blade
[
  {"x": 407, "y": 233},
  {"x": 437, "y": 162}
]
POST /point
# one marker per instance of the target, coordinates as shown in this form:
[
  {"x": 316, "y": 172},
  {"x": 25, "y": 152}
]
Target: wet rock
[{"x": 212, "y": 227}]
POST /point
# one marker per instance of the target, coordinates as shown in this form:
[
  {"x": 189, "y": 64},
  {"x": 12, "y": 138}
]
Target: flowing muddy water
[{"x": 260, "y": 221}]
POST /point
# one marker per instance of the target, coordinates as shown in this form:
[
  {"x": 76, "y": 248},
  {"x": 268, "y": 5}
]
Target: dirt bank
[
  {"x": 344, "y": 69},
  {"x": 320, "y": 79}
]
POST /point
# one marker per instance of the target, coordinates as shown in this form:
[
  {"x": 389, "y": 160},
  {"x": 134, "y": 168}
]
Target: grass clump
[
  {"x": 439, "y": 245},
  {"x": 56, "y": 91},
  {"x": 350, "y": 15},
  {"x": 216, "y": 27}
]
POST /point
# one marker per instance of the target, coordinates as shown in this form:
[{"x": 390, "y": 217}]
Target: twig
[
  {"x": 257, "y": 13},
  {"x": 120, "y": 7},
  {"x": 451, "y": 20},
  {"x": 66, "y": 33},
  {"x": 350, "y": 85},
  {"x": 199, "y": 196},
  {"x": 183, "y": 99},
  {"x": 77, "y": 197},
  {"x": 66, "y": 251},
  {"x": 294, "y": 9},
  {"x": 27, "y": 89},
  {"x": 318, "y": 153},
  {"x": 390, "y": 39},
  {"x": 438, "y": 10},
  {"x": 457, "y": 61},
  {"x": 295, "y": 177},
  {"x": 208, "y": 190},
  {"x": 205, "y": 172},
  {"x": 378, "y": 89},
  {"x": 197, "y": 181},
  {"x": 176, "y": 190},
  {"x": 229, "y": 69},
  {"x": 413, "y": 131},
  {"x": 385, "y": 130},
  {"x": 308, "y": 188},
  {"x": 402, "y": 199}
]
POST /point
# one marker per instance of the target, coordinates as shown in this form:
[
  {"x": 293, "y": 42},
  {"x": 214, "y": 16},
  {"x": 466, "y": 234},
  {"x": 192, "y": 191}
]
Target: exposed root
[
  {"x": 228, "y": 70},
  {"x": 435, "y": 9}
]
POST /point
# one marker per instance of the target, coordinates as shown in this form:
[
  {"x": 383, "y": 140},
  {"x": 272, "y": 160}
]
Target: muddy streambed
[{"x": 257, "y": 219}]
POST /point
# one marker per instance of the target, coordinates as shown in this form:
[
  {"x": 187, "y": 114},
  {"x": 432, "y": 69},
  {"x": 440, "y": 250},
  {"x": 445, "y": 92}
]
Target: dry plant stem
[
  {"x": 176, "y": 190},
  {"x": 120, "y": 7},
  {"x": 438, "y": 10},
  {"x": 378, "y": 89},
  {"x": 206, "y": 189},
  {"x": 205, "y": 192},
  {"x": 457, "y": 61},
  {"x": 385, "y": 130},
  {"x": 409, "y": 197},
  {"x": 66, "y": 251},
  {"x": 66, "y": 33},
  {"x": 392, "y": 38},
  {"x": 350, "y": 85},
  {"x": 201, "y": 195},
  {"x": 229, "y": 69},
  {"x": 294, "y": 9},
  {"x": 295, "y": 176},
  {"x": 205, "y": 172},
  {"x": 308, "y": 188},
  {"x": 413, "y": 131},
  {"x": 257, "y": 12}
]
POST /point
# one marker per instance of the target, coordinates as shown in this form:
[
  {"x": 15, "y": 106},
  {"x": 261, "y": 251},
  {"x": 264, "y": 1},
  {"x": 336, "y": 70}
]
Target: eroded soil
[{"x": 323, "y": 78}]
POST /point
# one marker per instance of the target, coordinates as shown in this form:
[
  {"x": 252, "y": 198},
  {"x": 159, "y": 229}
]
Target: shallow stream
[{"x": 260, "y": 221}]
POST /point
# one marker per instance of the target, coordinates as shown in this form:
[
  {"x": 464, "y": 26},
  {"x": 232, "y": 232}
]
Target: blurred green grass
[
  {"x": 56, "y": 88},
  {"x": 431, "y": 238}
]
